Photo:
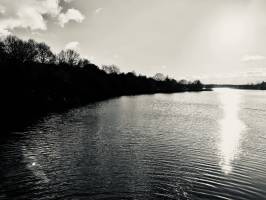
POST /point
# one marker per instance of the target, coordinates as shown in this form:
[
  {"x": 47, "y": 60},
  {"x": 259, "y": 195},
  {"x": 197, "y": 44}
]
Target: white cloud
[
  {"x": 250, "y": 58},
  {"x": 98, "y": 10},
  {"x": 72, "y": 45},
  {"x": 71, "y": 14},
  {"x": 27, "y": 15},
  {"x": 33, "y": 14}
]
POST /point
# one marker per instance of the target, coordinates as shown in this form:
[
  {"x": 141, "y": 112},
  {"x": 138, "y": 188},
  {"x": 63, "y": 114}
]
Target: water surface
[{"x": 207, "y": 145}]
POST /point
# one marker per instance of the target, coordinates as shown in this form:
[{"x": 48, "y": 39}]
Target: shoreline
[{"x": 20, "y": 121}]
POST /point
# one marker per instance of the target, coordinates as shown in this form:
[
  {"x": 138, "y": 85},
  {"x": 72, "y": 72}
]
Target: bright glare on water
[
  {"x": 231, "y": 127},
  {"x": 201, "y": 145}
]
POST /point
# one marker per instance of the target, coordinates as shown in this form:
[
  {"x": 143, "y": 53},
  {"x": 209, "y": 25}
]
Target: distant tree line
[
  {"x": 251, "y": 86},
  {"x": 34, "y": 79}
]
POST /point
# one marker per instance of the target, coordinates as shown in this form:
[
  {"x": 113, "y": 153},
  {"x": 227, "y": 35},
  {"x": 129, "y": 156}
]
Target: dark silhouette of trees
[
  {"x": 29, "y": 51},
  {"x": 196, "y": 85},
  {"x": 15, "y": 49},
  {"x": 69, "y": 57},
  {"x": 159, "y": 77},
  {"x": 44, "y": 54},
  {"x": 258, "y": 86},
  {"x": 111, "y": 69},
  {"x": 83, "y": 63},
  {"x": 34, "y": 80},
  {"x": 2, "y": 50}
]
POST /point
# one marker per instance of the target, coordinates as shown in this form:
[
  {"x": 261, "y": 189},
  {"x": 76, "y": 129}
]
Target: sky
[{"x": 217, "y": 41}]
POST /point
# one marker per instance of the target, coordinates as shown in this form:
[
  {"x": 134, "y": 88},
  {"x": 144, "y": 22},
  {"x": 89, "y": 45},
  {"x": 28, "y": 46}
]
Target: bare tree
[
  {"x": 19, "y": 50},
  {"x": 159, "y": 77},
  {"x": 30, "y": 51},
  {"x": 111, "y": 69},
  {"x": 2, "y": 50},
  {"x": 13, "y": 47},
  {"x": 44, "y": 53},
  {"x": 69, "y": 56},
  {"x": 84, "y": 62}
]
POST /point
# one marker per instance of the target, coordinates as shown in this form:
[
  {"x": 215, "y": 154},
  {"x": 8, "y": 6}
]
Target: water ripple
[{"x": 181, "y": 146}]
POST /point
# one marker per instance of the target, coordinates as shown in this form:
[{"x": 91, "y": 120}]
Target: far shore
[{"x": 259, "y": 86}]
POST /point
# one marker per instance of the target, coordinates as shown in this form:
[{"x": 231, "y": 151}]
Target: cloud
[
  {"x": 27, "y": 15},
  {"x": 70, "y": 15},
  {"x": 72, "y": 45},
  {"x": 33, "y": 14},
  {"x": 98, "y": 10},
  {"x": 250, "y": 58}
]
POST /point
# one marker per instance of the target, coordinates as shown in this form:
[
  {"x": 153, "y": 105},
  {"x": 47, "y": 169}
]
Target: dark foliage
[{"x": 34, "y": 80}]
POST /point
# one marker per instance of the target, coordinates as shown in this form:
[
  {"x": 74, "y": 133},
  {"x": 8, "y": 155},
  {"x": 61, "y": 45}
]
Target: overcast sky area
[{"x": 221, "y": 41}]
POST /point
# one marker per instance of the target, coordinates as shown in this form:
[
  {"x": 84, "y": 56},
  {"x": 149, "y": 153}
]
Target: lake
[{"x": 198, "y": 145}]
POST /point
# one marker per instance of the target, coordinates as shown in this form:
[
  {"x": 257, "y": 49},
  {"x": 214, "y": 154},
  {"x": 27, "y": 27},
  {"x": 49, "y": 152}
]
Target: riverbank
[
  {"x": 17, "y": 118},
  {"x": 34, "y": 80}
]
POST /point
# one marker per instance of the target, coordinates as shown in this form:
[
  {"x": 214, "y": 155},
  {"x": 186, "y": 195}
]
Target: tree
[
  {"x": 18, "y": 50},
  {"x": 111, "y": 69},
  {"x": 69, "y": 57},
  {"x": 13, "y": 47},
  {"x": 132, "y": 73},
  {"x": 30, "y": 51},
  {"x": 196, "y": 85},
  {"x": 2, "y": 51},
  {"x": 44, "y": 53},
  {"x": 183, "y": 82},
  {"x": 84, "y": 62},
  {"x": 159, "y": 77}
]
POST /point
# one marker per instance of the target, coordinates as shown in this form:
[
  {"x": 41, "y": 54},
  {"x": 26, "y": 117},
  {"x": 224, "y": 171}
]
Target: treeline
[
  {"x": 258, "y": 86},
  {"x": 34, "y": 79}
]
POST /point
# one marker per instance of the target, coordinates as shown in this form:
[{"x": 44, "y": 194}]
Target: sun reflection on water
[{"x": 231, "y": 128}]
